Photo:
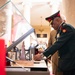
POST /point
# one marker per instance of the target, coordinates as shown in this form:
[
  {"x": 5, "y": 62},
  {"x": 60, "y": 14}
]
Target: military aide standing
[
  {"x": 54, "y": 58},
  {"x": 65, "y": 44}
]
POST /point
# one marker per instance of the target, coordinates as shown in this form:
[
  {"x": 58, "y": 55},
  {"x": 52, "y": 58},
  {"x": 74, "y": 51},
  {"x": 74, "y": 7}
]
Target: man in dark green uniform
[{"x": 65, "y": 44}]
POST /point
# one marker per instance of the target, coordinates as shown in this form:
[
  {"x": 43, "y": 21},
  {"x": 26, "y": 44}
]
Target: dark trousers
[{"x": 71, "y": 72}]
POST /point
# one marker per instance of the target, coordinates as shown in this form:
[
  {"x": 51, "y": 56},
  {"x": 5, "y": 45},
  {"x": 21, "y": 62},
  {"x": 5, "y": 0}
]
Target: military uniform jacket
[{"x": 65, "y": 45}]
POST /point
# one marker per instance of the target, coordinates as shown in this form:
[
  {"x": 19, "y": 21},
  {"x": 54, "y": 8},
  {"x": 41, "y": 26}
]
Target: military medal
[{"x": 58, "y": 35}]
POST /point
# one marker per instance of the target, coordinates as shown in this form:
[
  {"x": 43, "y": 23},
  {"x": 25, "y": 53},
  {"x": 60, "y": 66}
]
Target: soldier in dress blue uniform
[{"x": 65, "y": 44}]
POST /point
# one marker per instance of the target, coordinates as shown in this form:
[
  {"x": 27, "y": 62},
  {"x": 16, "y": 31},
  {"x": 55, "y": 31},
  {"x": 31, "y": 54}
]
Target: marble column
[
  {"x": 69, "y": 8},
  {"x": 9, "y": 23},
  {"x": 27, "y": 7}
]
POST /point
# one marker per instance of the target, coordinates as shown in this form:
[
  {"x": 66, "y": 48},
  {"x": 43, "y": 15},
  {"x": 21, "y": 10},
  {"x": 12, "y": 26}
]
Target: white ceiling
[{"x": 42, "y": 8}]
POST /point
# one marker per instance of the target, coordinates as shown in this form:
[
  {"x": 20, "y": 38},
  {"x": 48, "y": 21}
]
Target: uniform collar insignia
[{"x": 64, "y": 30}]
